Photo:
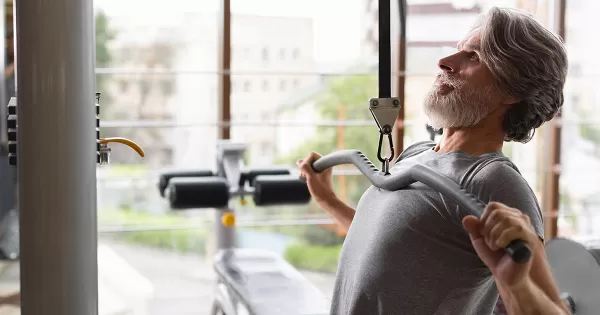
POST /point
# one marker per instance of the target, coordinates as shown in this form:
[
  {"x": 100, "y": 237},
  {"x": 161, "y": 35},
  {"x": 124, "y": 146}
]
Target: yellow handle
[{"x": 126, "y": 142}]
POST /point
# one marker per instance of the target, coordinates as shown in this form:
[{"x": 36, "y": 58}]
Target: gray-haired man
[{"x": 412, "y": 251}]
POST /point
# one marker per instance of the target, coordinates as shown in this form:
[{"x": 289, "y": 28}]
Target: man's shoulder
[
  {"x": 502, "y": 182},
  {"x": 415, "y": 149},
  {"x": 498, "y": 171}
]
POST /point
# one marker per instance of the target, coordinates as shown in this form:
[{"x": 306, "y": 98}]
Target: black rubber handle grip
[{"x": 518, "y": 250}]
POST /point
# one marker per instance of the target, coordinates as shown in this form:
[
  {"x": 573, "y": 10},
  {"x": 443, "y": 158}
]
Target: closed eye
[{"x": 474, "y": 56}]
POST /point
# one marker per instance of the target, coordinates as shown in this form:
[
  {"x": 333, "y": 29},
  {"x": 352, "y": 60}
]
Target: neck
[{"x": 482, "y": 138}]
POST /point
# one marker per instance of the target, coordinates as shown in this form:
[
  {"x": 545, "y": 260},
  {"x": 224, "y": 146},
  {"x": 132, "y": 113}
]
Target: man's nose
[{"x": 448, "y": 65}]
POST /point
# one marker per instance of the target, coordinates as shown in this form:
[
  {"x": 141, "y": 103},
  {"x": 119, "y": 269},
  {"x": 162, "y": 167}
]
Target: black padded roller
[
  {"x": 164, "y": 178},
  {"x": 249, "y": 174},
  {"x": 270, "y": 190},
  {"x": 198, "y": 192}
]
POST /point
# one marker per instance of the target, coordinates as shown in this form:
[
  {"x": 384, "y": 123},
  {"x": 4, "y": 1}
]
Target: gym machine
[
  {"x": 249, "y": 281},
  {"x": 576, "y": 269},
  {"x": 57, "y": 154},
  {"x": 9, "y": 225}
]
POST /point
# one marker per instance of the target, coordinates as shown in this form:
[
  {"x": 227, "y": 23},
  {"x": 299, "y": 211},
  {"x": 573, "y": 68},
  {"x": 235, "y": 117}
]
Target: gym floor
[{"x": 186, "y": 284}]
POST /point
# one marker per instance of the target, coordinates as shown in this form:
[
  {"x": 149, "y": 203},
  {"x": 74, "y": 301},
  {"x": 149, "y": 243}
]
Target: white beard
[{"x": 459, "y": 107}]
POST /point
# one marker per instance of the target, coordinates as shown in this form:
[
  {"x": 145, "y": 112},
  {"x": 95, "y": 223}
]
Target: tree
[
  {"x": 348, "y": 96},
  {"x": 104, "y": 35},
  {"x": 345, "y": 98},
  {"x": 144, "y": 96}
]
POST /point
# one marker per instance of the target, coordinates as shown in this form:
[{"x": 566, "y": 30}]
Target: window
[
  {"x": 265, "y": 85},
  {"x": 265, "y": 54},
  {"x": 282, "y": 86},
  {"x": 247, "y": 86},
  {"x": 282, "y": 53},
  {"x": 296, "y": 54}
]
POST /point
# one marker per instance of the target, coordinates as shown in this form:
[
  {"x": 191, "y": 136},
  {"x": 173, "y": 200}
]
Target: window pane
[
  {"x": 310, "y": 92},
  {"x": 157, "y": 72},
  {"x": 580, "y": 158}
]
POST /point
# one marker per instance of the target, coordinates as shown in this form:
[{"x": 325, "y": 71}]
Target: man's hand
[
  {"x": 498, "y": 226},
  {"x": 320, "y": 184}
]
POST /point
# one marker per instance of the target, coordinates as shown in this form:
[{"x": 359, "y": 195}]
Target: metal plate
[{"x": 576, "y": 272}]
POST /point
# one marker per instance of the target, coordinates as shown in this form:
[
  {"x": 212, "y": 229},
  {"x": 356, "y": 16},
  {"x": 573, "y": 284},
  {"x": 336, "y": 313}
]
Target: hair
[{"x": 529, "y": 64}]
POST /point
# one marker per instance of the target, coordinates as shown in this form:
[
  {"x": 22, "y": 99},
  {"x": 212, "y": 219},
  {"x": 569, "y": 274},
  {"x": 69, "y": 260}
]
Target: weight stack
[
  {"x": 11, "y": 126},
  {"x": 98, "y": 158}
]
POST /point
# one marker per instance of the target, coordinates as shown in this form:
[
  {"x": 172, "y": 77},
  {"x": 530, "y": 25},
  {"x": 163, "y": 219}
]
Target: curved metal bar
[{"x": 518, "y": 250}]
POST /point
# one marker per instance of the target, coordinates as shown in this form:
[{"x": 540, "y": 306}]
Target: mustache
[{"x": 446, "y": 79}]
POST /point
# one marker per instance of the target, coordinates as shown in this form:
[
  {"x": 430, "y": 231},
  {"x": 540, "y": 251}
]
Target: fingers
[
  {"x": 496, "y": 214},
  {"x": 502, "y": 225},
  {"x": 473, "y": 226},
  {"x": 305, "y": 165}
]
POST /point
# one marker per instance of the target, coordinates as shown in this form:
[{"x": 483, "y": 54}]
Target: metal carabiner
[{"x": 385, "y": 161}]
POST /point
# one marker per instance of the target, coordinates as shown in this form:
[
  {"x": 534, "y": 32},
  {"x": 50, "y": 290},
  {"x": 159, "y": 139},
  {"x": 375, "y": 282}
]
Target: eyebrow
[{"x": 462, "y": 45}]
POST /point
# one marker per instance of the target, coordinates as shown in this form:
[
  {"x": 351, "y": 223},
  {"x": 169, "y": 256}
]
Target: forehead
[{"x": 471, "y": 41}]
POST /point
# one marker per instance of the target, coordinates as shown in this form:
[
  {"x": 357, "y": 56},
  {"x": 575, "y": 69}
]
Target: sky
[{"x": 337, "y": 23}]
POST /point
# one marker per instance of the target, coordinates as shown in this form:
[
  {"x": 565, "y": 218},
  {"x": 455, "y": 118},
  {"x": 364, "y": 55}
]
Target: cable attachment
[{"x": 385, "y": 112}]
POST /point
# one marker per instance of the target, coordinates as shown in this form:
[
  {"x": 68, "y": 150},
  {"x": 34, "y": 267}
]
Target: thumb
[{"x": 473, "y": 226}]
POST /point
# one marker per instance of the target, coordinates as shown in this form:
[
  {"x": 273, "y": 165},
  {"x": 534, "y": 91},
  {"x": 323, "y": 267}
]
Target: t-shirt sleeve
[{"x": 502, "y": 183}]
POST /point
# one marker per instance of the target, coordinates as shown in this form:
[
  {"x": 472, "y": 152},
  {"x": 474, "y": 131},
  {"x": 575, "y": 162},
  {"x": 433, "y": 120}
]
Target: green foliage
[
  {"x": 313, "y": 257},
  {"x": 345, "y": 98},
  {"x": 349, "y": 95},
  {"x": 104, "y": 35},
  {"x": 180, "y": 240},
  {"x": 591, "y": 133}
]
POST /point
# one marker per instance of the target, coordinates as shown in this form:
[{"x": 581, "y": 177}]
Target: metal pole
[
  {"x": 225, "y": 236},
  {"x": 57, "y": 157},
  {"x": 230, "y": 159},
  {"x": 385, "y": 50},
  {"x": 224, "y": 68},
  {"x": 398, "y": 133},
  {"x": 551, "y": 198}
]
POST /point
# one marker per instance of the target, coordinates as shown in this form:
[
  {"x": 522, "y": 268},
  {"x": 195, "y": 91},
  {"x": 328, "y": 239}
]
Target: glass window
[
  {"x": 580, "y": 155},
  {"x": 156, "y": 70},
  {"x": 314, "y": 50},
  {"x": 302, "y": 72}
]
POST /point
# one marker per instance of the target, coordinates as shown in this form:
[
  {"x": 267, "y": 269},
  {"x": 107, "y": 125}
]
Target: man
[{"x": 414, "y": 251}]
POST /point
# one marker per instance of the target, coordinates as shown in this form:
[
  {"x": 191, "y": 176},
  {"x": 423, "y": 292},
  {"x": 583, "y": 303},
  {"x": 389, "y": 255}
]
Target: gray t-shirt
[{"x": 407, "y": 252}]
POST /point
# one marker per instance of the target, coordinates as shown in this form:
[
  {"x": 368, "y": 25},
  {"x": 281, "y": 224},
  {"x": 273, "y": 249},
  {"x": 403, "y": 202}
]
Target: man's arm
[
  {"x": 538, "y": 295},
  {"x": 541, "y": 279},
  {"x": 502, "y": 183},
  {"x": 520, "y": 288},
  {"x": 340, "y": 211},
  {"x": 321, "y": 189},
  {"x": 529, "y": 299}
]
